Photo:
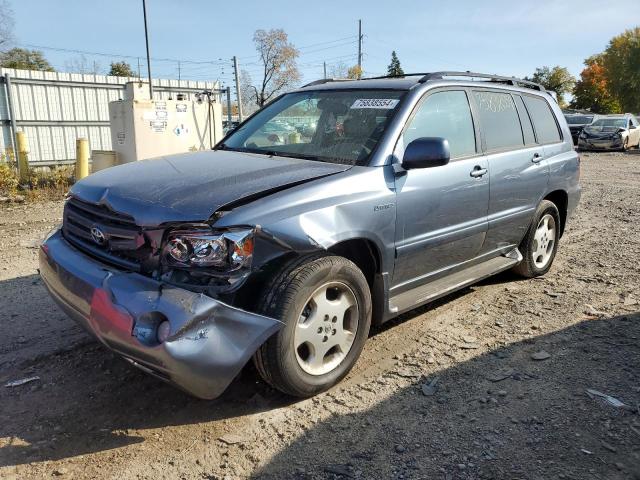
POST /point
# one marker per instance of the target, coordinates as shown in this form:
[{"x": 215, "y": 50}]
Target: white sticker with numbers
[{"x": 386, "y": 103}]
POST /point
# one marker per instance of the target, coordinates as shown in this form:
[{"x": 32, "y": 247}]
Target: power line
[
  {"x": 118, "y": 55},
  {"x": 350, "y": 37}
]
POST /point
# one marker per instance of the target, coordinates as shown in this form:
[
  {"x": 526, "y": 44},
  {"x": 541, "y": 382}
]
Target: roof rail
[
  {"x": 327, "y": 80},
  {"x": 493, "y": 78},
  {"x": 381, "y": 77}
]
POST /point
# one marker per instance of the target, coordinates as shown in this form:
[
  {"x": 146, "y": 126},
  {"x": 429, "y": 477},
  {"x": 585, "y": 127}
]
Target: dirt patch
[{"x": 488, "y": 383}]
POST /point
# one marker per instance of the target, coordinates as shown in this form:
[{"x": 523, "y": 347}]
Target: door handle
[
  {"x": 537, "y": 158},
  {"x": 478, "y": 171}
]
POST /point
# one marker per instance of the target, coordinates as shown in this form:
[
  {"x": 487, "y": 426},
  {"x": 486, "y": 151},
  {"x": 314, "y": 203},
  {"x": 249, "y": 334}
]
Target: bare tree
[
  {"x": 338, "y": 70},
  {"x": 248, "y": 93},
  {"x": 6, "y": 24},
  {"x": 278, "y": 58},
  {"x": 342, "y": 70},
  {"x": 81, "y": 64}
]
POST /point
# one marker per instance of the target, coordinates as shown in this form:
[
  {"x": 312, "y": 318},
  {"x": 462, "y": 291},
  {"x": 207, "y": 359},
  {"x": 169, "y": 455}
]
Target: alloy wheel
[
  {"x": 544, "y": 241},
  {"x": 326, "y": 328}
]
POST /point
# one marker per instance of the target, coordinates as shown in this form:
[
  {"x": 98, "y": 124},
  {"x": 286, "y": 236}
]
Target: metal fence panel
[{"x": 56, "y": 108}]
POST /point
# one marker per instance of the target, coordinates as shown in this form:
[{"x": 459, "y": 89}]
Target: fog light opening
[{"x": 163, "y": 332}]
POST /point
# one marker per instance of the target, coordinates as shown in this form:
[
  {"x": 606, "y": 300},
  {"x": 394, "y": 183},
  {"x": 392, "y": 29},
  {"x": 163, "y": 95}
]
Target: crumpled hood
[{"x": 192, "y": 186}]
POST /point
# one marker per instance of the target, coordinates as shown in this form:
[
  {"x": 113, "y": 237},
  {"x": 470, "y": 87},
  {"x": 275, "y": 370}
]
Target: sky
[{"x": 499, "y": 37}]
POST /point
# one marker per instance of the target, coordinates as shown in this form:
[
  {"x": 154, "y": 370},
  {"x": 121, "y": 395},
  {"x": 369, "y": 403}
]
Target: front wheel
[
  {"x": 540, "y": 244},
  {"x": 325, "y": 304},
  {"x": 625, "y": 144}
]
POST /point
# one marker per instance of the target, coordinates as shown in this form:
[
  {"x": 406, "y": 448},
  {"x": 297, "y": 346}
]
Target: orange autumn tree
[{"x": 592, "y": 91}]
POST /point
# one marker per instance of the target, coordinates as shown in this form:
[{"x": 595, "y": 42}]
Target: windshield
[
  {"x": 578, "y": 119},
  {"x": 329, "y": 125},
  {"x": 609, "y": 123}
]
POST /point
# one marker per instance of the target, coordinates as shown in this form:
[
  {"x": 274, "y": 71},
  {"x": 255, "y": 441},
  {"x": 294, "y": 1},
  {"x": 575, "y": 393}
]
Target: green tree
[
  {"x": 592, "y": 91},
  {"x": 25, "y": 59},
  {"x": 394, "y": 69},
  {"x": 557, "y": 79},
  {"x": 121, "y": 69},
  {"x": 621, "y": 61}
]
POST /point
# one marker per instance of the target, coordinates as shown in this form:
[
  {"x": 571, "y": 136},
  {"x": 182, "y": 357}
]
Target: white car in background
[{"x": 611, "y": 132}]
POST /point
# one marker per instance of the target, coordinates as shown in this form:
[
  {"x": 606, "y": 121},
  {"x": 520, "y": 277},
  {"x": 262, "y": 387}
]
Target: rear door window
[
  {"x": 447, "y": 115},
  {"x": 499, "y": 120},
  {"x": 543, "y": 118}
]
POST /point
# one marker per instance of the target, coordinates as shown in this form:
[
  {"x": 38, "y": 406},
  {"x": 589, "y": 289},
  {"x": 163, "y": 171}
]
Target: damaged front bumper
[
  {"x": 600, "y": 144},
  {"x": 209, "y": 341}
]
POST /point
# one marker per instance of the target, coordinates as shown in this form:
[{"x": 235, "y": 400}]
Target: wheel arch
[
  {"x": 363, "y": 252},
  {"x": 561, "y": 200}
]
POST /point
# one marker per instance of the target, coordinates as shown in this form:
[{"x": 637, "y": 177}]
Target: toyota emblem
[{"x": 98, "y": 236}]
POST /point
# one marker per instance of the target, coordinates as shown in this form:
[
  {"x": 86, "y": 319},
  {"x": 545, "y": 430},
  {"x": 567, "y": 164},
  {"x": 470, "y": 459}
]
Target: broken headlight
[{"x": 227, "y": 250}]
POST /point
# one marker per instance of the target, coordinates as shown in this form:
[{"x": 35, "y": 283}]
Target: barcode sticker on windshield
[{"x": 387, "y": 103}]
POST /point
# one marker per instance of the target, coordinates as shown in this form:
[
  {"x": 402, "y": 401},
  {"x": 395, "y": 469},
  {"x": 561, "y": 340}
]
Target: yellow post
[
  {"x": 82, "y": 158},
  {"x": 23, "y": 157},
  {"x": 294, "y": 137}
]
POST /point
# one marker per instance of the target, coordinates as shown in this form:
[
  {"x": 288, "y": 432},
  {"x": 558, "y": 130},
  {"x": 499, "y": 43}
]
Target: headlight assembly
[{"x": 224, "y": 250}]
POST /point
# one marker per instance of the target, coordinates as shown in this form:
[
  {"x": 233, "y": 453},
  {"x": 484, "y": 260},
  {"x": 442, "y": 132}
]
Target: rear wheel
[
  {"x": 540, "y": 244},
  {"x": 325, "y": 304}
]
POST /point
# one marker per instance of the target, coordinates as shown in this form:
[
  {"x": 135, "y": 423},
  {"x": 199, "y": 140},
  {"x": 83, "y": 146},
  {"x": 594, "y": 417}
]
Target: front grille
[{"x": 124, "y": 242}]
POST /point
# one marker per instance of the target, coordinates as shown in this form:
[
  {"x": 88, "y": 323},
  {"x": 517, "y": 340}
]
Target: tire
[
  {"x": 290, "y": 363},
  {"x": 537, "y": 260}
]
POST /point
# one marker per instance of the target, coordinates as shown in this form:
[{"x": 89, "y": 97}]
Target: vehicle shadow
[{"x": 498, "y": 415}]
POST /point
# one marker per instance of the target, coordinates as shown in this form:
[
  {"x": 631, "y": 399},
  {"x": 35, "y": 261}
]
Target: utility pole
[
  {"x": 178, "y": 73},
  {"x": 228, "y": 106},
  {"x": 138, "y": 68},
  {"x": 238, "y": 94},
  {"x": 360, "y": 45},
  {"x": 325, "y": 69},
  {"x": 146, "y": 39}
]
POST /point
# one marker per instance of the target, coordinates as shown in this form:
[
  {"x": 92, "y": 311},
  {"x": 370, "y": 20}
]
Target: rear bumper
[{"x": 209, "y": 342}]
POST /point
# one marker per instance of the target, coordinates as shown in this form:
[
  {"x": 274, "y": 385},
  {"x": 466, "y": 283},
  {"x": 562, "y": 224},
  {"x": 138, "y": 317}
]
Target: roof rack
[
  {"x": 492, "y": 78},
  {"x": 426, "y": 77}
]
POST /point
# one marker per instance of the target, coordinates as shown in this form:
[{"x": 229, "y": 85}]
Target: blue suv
[{"x": 285, "y": 244}]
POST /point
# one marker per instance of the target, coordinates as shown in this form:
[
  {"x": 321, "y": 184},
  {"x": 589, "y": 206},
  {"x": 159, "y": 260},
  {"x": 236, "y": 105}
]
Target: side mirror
[
  {"x": 426, "y": 152},
  {"x": 632, "y": 127}
]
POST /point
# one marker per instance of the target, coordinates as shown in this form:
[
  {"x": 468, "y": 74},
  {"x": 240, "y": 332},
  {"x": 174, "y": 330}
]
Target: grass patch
[{"x": 44, "y": 183}]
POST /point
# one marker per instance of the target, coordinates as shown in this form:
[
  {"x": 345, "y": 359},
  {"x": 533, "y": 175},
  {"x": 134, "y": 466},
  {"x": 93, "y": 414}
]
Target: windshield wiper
[{"x": 277, "y": 153}]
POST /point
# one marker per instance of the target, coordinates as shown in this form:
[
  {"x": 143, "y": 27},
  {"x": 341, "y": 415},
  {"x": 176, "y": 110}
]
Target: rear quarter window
[
  {"x": 544, "y": 121},
  {"x": 499, "y": 120},
  {"x": 525, "y": 121}
]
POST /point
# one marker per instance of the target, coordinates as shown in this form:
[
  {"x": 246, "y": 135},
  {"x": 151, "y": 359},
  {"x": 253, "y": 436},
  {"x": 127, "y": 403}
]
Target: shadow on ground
[{"x": 499, "y": 415}]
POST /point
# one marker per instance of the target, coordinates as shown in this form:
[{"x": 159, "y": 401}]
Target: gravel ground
[{"x": 488, "y": 383}]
